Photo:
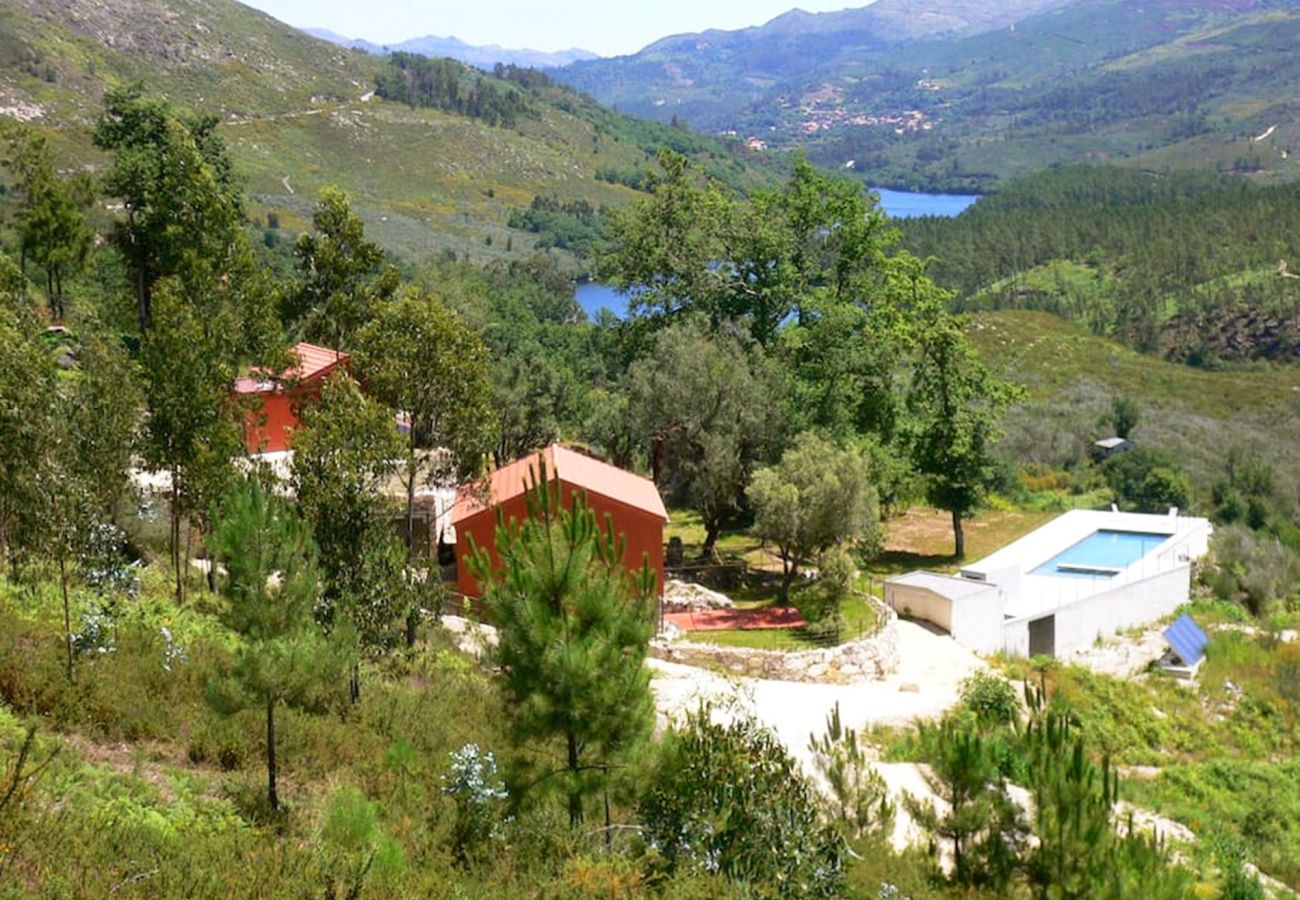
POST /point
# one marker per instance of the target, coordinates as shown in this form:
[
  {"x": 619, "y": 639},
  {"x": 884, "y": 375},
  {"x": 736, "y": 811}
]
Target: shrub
[
  {"x": 990, "y": 698},
  {"x": 728, "y": 799},
  {"x": 1254, "y": 569},
  {"x": 479, "y": 794}
]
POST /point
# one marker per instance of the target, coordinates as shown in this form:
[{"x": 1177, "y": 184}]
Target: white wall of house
[
  {"x": 919, "y": 603},
  {"x": 973, "y": 615},
  {"x": 1079, "y": 624}
]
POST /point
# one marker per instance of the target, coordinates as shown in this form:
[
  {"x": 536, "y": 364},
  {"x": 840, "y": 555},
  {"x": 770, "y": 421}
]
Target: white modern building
[{"x": 1084, "y": 575}]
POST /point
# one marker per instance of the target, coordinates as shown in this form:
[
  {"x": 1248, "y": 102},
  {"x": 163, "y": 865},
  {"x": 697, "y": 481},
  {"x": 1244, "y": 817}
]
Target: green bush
[
  {"x": 990, "y": 698},
  {"x": 729, "y": 799},
  {"x": 1254, "y": 569}
]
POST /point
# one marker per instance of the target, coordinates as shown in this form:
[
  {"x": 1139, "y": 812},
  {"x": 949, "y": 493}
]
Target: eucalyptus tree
[
  {"x": 51, "y": 216},
  {"x": 341, "y": 275},
  {"x": 182, "y": 207},
  {"x": 344, "y": 455}
]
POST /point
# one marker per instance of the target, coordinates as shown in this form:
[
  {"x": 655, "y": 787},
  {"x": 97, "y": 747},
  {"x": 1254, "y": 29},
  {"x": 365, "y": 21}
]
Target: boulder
[{"x": 681, "y": 596}]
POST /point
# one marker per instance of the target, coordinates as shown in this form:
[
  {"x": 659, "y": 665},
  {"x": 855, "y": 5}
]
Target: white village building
[{"x": 1084, "y": 575}]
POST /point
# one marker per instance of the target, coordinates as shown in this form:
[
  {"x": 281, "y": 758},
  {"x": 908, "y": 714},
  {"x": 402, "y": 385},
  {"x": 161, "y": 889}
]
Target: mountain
[
  {"x": 931, "y": 94},
  {"x": 299, "y": 113},
  {"x": 707, "y": 78},
  {"x": 483, "y": 57}
]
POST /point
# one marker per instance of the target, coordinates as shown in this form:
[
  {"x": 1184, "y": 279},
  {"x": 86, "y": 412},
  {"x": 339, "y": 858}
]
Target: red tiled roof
[
  {"x": 573, "y": 468},
  {"x": 314, "y": 362}
]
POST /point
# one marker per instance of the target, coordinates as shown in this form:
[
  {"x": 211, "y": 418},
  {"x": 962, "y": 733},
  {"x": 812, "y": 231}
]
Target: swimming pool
[{"x": 1102, "y": 554}]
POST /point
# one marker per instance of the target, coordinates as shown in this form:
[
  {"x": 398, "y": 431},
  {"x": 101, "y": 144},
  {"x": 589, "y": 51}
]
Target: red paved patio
[{"x": 737, "y": 619}]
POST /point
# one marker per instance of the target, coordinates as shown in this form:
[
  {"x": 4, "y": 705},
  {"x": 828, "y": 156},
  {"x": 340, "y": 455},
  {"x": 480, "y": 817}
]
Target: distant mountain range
[
  {"x": 961, "y": 94},
  {"x": 483, "y": 57}
]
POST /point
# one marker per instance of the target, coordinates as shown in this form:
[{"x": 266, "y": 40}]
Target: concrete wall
[
  {"x": 1079, "y": 624},
  {"x": 977, "y": 621},
  {"x": 974, "y": 620},
  {"x": 919, "y": 603}
]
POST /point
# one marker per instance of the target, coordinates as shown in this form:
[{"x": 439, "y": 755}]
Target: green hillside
[
  {"x": 1167, "y": 84},
  {"x": 1072, "y": 376},
  {"x": 299, "y": 113}
]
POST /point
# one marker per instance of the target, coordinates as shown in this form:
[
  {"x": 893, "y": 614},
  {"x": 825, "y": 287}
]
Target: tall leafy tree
[
  {"x": 192, "y": 431},
  {"x": 174, "y": 178},
  {"x": 344, "y": 454},
  {"x": 711, "y": 408},
  {"x": 956, "y": 403},
  {"x": 342, "y": 277},
  {"x": 86, "y": 457},
  {"x": 573, "y": 628},
  {"x": 419, "y": 357},
  {"x": 51, "y": 220},
  {"x": 271, "y": 588},
  {"x": 817, "y": 240},
  {"x": 816, "y": 497}
]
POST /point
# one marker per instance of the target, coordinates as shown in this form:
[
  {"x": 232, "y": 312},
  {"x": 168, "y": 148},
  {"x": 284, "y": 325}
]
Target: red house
[
  {"x": 631, "y": 501},
  {"x": 267, "y": 429}
]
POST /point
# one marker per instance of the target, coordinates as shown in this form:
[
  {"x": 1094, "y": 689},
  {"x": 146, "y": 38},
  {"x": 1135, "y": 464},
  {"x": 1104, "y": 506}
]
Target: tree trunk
[
  {"x": 959, "y": 536},
  {"x": 788, "y": 570},
  {"x": 67, "y": 612},
  {"x": 711, "y": 531},
  {"x": 272, "y": 797},
  {"x": 354, "y": 683},
  {"x": 575, "y": 796},
  {"x": 176, "y": 538},
  {"x": 413, "y": 614},
  {"x": 49, "y": 295}
]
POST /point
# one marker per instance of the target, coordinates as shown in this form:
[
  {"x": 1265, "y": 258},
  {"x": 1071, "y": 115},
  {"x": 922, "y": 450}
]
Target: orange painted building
[
  {"x": 268, "y": 428},
  {"x": 632, "y": 502}
]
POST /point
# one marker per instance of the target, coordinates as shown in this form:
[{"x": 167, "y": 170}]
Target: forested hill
[
  {"x": 432, "y": 170},
  {"x": 1193, "y": 266},
  {"x": 1164, "y": 84}
]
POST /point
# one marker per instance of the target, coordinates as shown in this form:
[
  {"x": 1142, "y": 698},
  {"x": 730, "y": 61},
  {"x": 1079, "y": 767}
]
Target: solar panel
[{"x": 1187, "y": 639}]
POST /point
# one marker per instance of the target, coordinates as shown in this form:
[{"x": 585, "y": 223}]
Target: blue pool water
[{"x": 1102, "y": 554}]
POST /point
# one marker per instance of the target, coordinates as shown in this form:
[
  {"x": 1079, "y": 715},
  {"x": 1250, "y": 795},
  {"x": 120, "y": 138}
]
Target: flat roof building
[{"x": 1086, "y": 574}]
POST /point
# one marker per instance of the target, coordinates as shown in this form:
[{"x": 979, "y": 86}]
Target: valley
[{"x": 854, "y": 456}]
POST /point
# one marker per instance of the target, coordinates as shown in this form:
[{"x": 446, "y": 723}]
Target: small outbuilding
[
  {"x": 278, "y": 398},
  {"x": 1111, "y": 446},
  {"x": 631, "y": 501}
]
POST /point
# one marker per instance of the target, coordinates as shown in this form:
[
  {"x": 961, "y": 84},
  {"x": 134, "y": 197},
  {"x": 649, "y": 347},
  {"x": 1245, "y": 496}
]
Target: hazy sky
[{"x": 607, "y": 28}]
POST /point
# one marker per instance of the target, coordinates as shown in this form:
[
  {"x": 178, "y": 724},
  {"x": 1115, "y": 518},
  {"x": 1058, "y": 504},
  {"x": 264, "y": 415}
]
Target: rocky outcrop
[
  {"x": 868, "y": 659},
  {"x": 682, "y": 596}
]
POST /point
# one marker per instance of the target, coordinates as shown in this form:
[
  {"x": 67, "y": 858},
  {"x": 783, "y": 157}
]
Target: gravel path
[{"x": 931, "y": 669}]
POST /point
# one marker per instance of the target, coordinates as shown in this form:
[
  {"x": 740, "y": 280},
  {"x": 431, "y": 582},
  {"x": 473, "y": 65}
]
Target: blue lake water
[
  {"x": 1103, "y": 554},
  {"x": 905, "y": 204},
  {"x": 593, "y": 297}
]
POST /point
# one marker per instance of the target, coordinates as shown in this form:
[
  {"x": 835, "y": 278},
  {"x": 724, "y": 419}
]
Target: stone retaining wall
[{"x": 868, "y": 659}]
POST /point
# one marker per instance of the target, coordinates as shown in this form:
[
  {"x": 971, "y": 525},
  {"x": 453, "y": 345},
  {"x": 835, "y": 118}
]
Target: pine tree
[
  {"x": 573, "y": 627},
  {"x": 271, "y": 587}
]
